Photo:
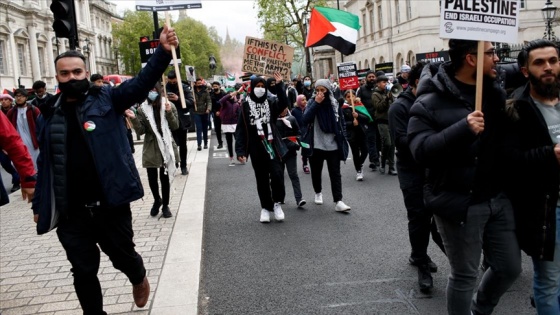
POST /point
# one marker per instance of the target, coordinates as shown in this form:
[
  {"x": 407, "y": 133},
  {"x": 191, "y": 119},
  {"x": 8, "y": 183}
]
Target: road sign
[{"x": 167, "y": 5}]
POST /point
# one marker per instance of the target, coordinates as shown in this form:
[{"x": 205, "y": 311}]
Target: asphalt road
[{"x": 318, "y": 261}]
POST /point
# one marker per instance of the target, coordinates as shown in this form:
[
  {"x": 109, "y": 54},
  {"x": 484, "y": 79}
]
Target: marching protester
[
  {"x": 460, "y": 147},
  {"x": 411, "y": 179},
  {"x": 202, "y": 109},
  {"x": 307, "y": 87},
  {"x": 365, "y": 93},
  {"x": 382, "y": 100},
  {"x": 288, "y": 129},
  {"x": 533, "y": 149},
  {"x": 257, "y": 138},
  {"x": 297, "y": 112},
  {"x": 325, "y": 137},
  {"x": 180, "y": 134},
  {"x": 215, "y": 96},
  {"x": 156, "y": 118},
  {"x": 77, "y": 143},
  {"x": 11, "y": 143},
  {"x": 41, "y": 94},
  {"x": 230, "y": 106},
  {"x": 357, "y": 119},
  {"x": 7, "y": 102},
  {"x": 25, "y": 118}
]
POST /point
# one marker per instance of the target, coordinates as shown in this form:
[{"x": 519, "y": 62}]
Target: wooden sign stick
[
  {"x": 479, "y": 75},
  {"x": 176, "y": 65}
]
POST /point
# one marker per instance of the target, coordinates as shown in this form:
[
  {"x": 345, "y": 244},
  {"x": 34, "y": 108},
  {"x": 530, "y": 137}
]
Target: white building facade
[
  {"x": 28, "y": 44},
  {"x": 396, "y": 30}
]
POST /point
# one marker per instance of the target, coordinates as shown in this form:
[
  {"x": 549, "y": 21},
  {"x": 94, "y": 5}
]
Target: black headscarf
[
  {"x": 252, "y": 93},
  {"x": 271, "y": 89}
]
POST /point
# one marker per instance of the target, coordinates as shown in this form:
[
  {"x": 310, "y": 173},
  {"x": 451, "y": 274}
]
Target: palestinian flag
[
  {"x": 359, "y": 107},
  {"x": 230, "y": 76},
  {"x": 335, "y": 28}
]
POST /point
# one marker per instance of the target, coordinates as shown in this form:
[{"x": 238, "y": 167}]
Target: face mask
[
  {"x": 74, "y": 88},
  {"x": 216, "y": 89},
  {"x": 259, "y": 92},
  {"x": 307, "y": 83},
  {"x": 152, "y": 95}
]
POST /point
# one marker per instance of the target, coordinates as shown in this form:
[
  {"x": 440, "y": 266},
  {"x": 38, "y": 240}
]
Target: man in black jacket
[
  {"x": 534, "y": 150},
  {"x": 411, "y": 179},
  {"x": 216, "y": 95},
  {"x": 460, "y": 147},
  {"x": 180, "y": 134},
  {"x": 365, "y": 93}
]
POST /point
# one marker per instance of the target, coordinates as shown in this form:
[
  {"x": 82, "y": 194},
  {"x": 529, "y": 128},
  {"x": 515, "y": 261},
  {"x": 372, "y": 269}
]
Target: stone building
[
  {"x": 28, "y": 44},
  {"x": 396, "y": 30}
]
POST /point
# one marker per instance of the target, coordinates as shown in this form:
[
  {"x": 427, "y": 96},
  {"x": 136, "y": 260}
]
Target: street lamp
[
  {"x": 212, "y": 64},
  {"x": 549, "y": 13},
  {"x": 307, "y": 56},
  {"x": 116, "y": 50}
]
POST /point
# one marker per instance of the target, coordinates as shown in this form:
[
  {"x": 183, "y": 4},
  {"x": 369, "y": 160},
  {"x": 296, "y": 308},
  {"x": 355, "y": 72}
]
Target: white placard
[
  {"x": 167, "y": 5},
  {"x": 487, "y": 20}
]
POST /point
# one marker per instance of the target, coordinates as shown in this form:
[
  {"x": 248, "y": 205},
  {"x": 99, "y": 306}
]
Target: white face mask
[{"x": 259, "y": 92}]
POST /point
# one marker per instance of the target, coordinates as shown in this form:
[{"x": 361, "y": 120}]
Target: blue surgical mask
[
  {"x": 152, "y": 95},
  {"x": 307, "y": 83}
]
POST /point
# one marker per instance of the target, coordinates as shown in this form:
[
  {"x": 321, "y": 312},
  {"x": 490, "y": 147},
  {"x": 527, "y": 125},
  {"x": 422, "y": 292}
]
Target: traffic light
[{"x": 65, "y": 25}]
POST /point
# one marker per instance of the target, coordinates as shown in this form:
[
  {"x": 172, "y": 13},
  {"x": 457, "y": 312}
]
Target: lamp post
[
  {"x": 212, "y": 64},
  {"x": 307, "y": 55},
  {"x": 549, "y": 13},
  {"x": 116, "y": 50},
  {"x": 86, "y": 49}
]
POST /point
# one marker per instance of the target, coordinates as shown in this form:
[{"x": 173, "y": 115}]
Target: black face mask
[{"x": 74, "y": 88}]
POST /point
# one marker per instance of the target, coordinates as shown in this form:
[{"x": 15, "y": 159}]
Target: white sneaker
[
  {"x": 278, "y": 213},
  {"x": 265, "y": 216},
  {"x": 360, "y": 176},
  {"x": 319, "y": 199},
  {"x": 341, "y": 207}
]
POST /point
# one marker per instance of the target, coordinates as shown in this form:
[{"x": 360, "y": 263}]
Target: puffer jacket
[
  {"x": 463, "y": 168},
  {"x": 109, "y": 147},
  {"x": 533, "y": 187},
  {"x": 151, "y": 153},
  {"x": 202, "y": 100}
]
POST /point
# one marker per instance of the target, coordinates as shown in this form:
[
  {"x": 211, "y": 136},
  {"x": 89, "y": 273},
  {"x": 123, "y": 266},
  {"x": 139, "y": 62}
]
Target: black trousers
[
  {"x": 180, "y": 137},
  {"x": 333, "y": 165},
  {"x": 111, "y": 228},
  {"x": 218, "y": 128},
  {"x": 269, "y": 176},
  {"x": 420, "y": 223},
  {"x": 230, "y": 136},
  {"x": 154, "y": 185},
  {"x": 359, "y": 148}
]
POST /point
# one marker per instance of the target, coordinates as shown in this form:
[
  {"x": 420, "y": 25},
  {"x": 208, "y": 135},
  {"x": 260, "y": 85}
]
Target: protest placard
[
  {"x": 435, "y": 56},
  {"x": 348, "y": 75},
  {"x": 264, "y": 57}
]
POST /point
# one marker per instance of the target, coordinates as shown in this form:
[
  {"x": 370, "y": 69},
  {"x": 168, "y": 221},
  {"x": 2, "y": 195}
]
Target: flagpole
[{"x": 338, "y": 8}]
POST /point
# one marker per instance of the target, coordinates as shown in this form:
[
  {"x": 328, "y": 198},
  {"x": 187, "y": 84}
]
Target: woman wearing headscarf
[
  {"x": 297, "y": 112},
  {"x": 326, "y": 141},
  {"x": 156, "y": 118},
  {"x": 257, "y": 137}
]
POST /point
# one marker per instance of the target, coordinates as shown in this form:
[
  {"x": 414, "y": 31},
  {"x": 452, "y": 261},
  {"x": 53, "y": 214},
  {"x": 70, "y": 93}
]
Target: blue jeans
[
  {"x": 546, "y": 279},
  {"x": 201, "y": 123},
  {"x": 489, "y": 227}
]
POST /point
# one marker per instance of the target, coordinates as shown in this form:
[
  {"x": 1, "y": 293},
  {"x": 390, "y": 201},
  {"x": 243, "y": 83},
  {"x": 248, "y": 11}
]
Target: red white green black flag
[{"x": 335, "y": 28}]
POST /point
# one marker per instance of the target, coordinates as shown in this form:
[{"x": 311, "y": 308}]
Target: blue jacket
[{"x": 109, "y": 147}]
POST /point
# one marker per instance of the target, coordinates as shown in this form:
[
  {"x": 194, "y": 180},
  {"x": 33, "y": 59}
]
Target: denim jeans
[
  {"x": 489, "y": 227},
  {"x": 201, "y": 123},
  {"x": 546, "y": 279}
]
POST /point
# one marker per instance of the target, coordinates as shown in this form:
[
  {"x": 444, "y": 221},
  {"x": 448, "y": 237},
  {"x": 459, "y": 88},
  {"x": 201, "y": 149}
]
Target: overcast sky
[{"x": 237, "y": 16}]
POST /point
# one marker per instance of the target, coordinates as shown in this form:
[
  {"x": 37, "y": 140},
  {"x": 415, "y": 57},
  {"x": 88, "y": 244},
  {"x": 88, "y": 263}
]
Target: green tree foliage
[
  {"x": 196, "y": 41},
  {"x": 284, "y": 20}
]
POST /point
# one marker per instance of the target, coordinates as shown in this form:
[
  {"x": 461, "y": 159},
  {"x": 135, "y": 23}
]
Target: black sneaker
[
  {"x": 199, "y": 148},
  {"x": 425, "y": 280},
  {"x": 15, "y": 187},
  {"x": 431, "y": 264},
  {"x": 155, "y": 208},
  {"x": 165, "y": 212},
  {"x": 206, "y": 146},
  {"x": 373, "y": 167},
  {"x": 220, "y": 146},
  {"x": 184, "y": 171}
]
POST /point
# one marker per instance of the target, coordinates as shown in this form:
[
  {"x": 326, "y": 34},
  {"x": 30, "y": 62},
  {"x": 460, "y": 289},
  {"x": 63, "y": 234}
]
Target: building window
[
  {"x": 522, "y": 4},
  {"x": 379, "y": 18},
  {"x": 21, "y": 59},
  {"x": 41, "y": 53},
  {"x": 2, "y": 57},
  {"x": 408, "y": 10},
  {"x": 397, "y": 12}
]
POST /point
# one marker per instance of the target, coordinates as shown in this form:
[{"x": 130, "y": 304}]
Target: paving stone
[
  {"x": 36, "y": 292},
  {"x": 30, "y": 309},
  {"x": 28, "y": 286},
  {"x": 59, "y": 306},
  {"x": 14, "y": 303},
  {"x": 16, "y": 280},
  {"x": 53, "y": 276},
  {"x": 49, "y": 298},
  {"x": 117, "y": 308}
]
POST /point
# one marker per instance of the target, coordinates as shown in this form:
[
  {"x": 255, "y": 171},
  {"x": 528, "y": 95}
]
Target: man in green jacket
[{"x": 202, "y": 108}]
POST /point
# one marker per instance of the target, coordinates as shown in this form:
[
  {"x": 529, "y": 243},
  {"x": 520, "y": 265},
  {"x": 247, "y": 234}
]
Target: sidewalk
[{"x": 35, "y": 275}]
